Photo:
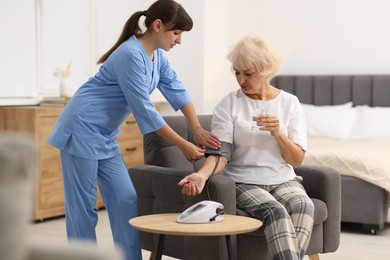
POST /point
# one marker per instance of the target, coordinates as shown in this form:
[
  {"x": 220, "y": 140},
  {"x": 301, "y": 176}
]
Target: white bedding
[{"x": 366, "y": 160}]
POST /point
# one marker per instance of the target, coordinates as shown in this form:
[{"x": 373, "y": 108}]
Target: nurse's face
[{"x": 169, "y": 39}]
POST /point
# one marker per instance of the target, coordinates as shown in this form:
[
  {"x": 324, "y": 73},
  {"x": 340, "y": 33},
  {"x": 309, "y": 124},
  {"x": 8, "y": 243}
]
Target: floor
[{"x": 355, "y": 243}]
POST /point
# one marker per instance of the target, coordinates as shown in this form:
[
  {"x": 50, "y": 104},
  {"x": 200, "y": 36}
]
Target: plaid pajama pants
[{"x": 286, "y": 212}]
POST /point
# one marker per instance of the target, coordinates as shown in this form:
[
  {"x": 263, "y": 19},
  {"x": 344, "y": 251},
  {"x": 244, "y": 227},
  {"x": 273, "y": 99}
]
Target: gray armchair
[{"x": 156, "y": 186}]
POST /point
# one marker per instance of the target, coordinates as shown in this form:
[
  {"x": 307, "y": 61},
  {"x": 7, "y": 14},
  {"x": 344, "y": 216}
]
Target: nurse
[{"x": 87, "y": 128}]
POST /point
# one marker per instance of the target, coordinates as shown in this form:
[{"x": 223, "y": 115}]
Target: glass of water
[{"x": 255, "y": 117}]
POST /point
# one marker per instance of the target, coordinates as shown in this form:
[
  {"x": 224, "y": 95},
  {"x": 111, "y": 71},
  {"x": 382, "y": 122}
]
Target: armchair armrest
[
  {"x": 324, "y": 183},
  {"x": 158, "y": 191}
]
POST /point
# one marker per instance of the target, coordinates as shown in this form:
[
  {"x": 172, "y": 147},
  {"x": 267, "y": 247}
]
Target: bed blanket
[{"x": 366, "y": 160}]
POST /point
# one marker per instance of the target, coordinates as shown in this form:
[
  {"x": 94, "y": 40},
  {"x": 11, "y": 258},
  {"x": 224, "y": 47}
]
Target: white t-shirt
[{"x": 256, "y": 157}]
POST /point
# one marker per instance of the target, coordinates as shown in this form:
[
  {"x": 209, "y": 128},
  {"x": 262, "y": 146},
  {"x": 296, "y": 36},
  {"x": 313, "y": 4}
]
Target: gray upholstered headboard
[{"x": 372, "y": 90}]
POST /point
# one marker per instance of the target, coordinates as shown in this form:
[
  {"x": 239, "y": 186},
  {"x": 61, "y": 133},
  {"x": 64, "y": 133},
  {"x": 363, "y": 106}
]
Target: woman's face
[
  {"x": 249, "y": 80},
  {"x": 169, "y": 39}
]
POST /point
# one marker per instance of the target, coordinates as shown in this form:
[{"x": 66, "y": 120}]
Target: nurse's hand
[
  {"x": 192, "y": 152},
  {"x": 206, "y": 139}
]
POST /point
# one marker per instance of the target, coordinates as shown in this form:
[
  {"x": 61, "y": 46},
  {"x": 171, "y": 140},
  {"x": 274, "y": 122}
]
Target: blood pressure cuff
[{"x": 225, "y": 150}]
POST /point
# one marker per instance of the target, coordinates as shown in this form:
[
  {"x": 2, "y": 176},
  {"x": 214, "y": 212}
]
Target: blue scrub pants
[{"x": 80, "y": 177}]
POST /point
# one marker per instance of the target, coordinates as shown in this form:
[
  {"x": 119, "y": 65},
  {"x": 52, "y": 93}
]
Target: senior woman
[{"x": 259, "y": 151}]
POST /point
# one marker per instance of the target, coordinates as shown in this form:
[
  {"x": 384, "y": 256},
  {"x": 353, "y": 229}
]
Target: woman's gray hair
[{"x": 255, "y": 52}]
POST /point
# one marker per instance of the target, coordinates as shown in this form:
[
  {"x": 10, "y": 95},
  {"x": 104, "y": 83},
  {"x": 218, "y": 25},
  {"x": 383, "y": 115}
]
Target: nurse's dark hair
[{"x": 171, "y": 14}]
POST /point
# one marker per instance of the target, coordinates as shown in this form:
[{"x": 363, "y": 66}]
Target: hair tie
[{"x": 144, "y": 13}]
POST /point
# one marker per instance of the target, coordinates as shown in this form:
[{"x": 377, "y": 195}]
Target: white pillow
[
  {"x": 333, "y": 121},
  {"x": 371, "y": 123}
]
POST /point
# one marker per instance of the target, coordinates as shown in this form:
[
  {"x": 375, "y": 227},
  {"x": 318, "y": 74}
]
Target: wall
[
  {"x": 312, "y": 36},
  {"x": 188, "y": 58},
  {"x": 324, "y": 37},
  {"x": 216, "y": 67}
]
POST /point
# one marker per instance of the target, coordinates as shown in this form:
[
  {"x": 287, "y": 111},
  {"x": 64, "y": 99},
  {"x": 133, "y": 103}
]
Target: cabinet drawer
[
  {"x": 51, "y": 193},
  {"x": 129, "y": 129},
  {"x": 50, "y": 162},
  {"x": 132, "y": 151},
  {"x": 45, "y": 125}
]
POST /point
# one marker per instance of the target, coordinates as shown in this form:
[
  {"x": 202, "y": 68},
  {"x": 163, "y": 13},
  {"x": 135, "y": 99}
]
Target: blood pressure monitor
[{"x": 202, "y": 212}]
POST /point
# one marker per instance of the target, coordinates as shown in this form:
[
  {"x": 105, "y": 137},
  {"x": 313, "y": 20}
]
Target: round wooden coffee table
[{"x": 166, "y": 224}]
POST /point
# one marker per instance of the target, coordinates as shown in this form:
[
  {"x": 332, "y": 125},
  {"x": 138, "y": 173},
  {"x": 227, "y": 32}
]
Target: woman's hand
[
  {"x": 206, "y": 139},
  {"x": 192, "y": 184},
  {"x": 291, "y": 152},
  {"x": 269, "y": 123},
  {"x": 192, "y": 152}
]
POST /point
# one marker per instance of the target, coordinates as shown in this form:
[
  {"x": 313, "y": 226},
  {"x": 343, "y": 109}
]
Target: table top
[{"x": 167, "y": 224}]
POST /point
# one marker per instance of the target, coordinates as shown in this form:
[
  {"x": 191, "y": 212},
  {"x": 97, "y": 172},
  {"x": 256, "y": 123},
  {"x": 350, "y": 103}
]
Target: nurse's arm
[
  {"x": 190, "y": 151},
  {"x": 202, "y": 137}
]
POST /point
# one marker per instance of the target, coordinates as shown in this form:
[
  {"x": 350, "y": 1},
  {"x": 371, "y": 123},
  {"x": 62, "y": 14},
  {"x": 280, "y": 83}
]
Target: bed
[{"x": 348, "y": 130}]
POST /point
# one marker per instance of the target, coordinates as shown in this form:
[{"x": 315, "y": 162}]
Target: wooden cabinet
[
  {"x": 39, "y": 121},
  {"x": 131, "y": 142}
]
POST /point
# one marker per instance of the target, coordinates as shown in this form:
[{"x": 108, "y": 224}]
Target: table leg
[
  {"x": 229, "y": 247},
  {"x": 160, "y": 246}
]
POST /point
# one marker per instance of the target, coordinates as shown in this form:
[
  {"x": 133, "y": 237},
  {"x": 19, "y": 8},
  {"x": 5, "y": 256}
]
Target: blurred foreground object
[
  {"x": 17, "y": 177},
  {"x": 18, "y": 170}
]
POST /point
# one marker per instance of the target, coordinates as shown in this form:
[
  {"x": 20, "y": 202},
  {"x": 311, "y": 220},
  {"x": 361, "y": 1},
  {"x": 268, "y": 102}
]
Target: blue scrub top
[{"x": 89, "y": 123}]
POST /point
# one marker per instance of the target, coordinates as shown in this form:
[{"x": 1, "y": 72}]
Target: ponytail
[
  {"x": 130, "y": 28},
  {"x": 169, "y": 12}
]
